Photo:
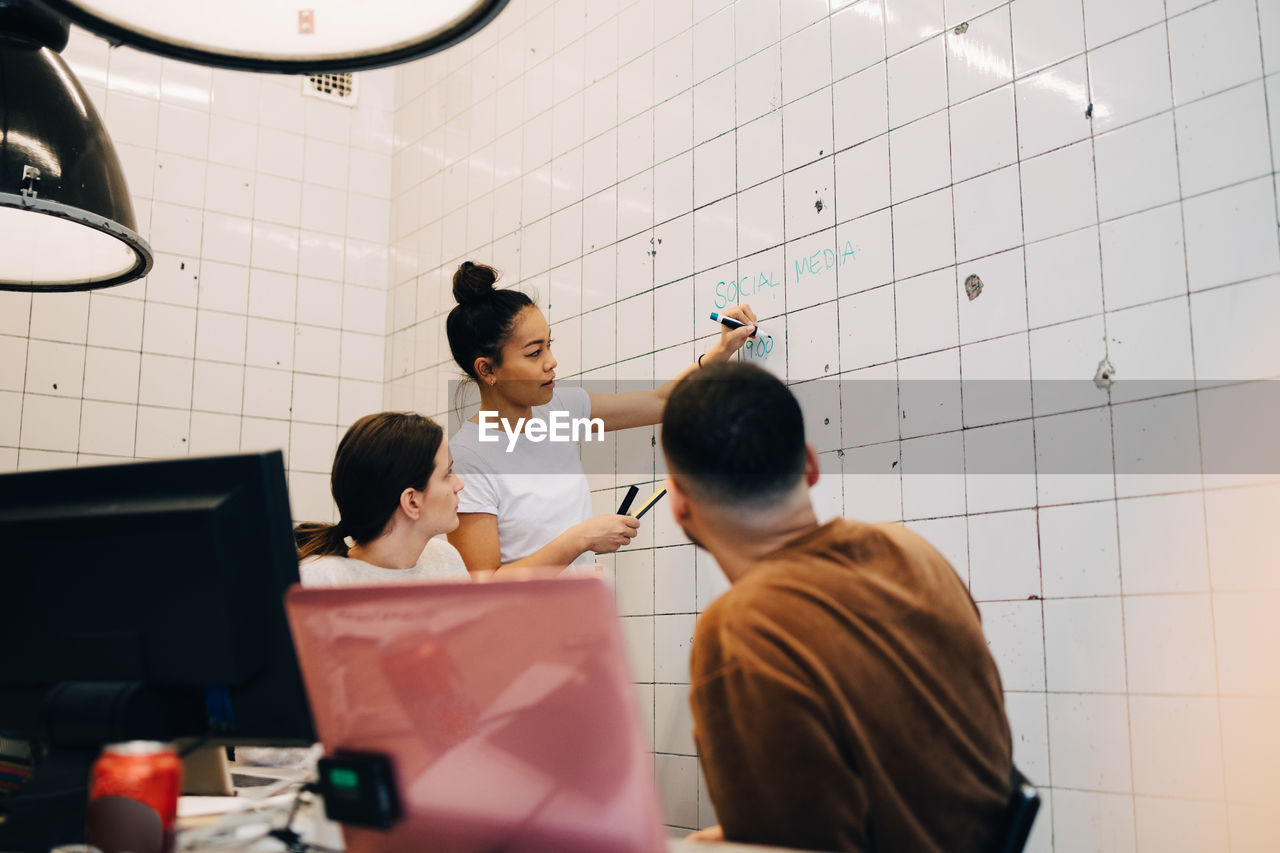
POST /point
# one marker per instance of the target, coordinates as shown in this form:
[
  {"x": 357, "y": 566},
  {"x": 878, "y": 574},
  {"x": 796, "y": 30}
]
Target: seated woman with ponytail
[
  {"x": 527, "y": 505},
  {"x": 394, "y": 485}
]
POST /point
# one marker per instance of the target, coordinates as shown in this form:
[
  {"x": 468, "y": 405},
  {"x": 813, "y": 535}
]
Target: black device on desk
[
  {"x": 359, "y": 788},
  {"x": 145, "y": 601}
]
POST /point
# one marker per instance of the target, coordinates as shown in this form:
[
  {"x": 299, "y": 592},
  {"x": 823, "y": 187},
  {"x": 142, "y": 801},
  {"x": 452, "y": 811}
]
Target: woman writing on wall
[
  {"x": 394, "y": 485},
  {"x": 529, "y": 506}
]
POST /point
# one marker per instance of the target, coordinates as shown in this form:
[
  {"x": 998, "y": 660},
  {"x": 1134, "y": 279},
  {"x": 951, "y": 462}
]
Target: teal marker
[{"x": 733, "y": 322}]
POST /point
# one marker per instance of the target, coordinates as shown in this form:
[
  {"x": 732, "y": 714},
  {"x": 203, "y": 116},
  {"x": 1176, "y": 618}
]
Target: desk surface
[
  {"x": 674, "y": 845},
  {"x": 331, "y": 834},
  {"x": 682, "y": 846}
]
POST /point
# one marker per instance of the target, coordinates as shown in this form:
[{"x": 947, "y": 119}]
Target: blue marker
[{"x": 733, "y": 322}]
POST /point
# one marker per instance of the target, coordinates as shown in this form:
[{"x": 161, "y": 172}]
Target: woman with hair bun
[
  {"x": 528, "y": 507},
  {"x": 394, "y": 485}
]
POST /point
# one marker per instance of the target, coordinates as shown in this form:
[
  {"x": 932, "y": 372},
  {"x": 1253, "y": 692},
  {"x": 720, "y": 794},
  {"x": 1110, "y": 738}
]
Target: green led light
[{"x": 341, "y": 777}]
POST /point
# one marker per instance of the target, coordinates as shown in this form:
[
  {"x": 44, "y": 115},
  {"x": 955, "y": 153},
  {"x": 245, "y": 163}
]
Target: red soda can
[{"x": 133, "y": 797}]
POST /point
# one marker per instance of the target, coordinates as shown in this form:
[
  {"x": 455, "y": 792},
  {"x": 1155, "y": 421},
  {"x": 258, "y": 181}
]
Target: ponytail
[{"x": 319, "y": 540}]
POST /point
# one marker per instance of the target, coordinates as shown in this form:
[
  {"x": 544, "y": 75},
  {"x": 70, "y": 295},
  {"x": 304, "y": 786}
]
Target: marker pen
[
  {"x": 732, "y": 322},
  {"x": 649, "y": 502},
  {"x": 626, "y": 502}
]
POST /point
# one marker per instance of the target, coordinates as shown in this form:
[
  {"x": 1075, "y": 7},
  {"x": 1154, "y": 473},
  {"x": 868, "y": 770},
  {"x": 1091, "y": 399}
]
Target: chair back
[{"x": 1020, "y": 814}]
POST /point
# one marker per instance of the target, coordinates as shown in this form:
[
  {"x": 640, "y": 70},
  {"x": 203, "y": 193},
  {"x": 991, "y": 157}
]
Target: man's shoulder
[
  {"x": 849, "y": 542},
  {"x": 796, "y": 577},
  {"x": 770, "y": 591}
]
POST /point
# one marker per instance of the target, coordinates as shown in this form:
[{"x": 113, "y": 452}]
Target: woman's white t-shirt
[
  {"x": 439, "y": 561},
  {"x": 537, "y": 490}
]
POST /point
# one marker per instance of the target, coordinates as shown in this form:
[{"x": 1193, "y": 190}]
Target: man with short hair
[{"x": 843, "y": 694}]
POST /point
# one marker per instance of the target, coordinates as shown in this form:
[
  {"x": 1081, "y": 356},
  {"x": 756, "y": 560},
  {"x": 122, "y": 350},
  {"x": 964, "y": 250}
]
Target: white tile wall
[
  {"x": 240, "y": 184},
  {"x": 1107, "y": 169}
]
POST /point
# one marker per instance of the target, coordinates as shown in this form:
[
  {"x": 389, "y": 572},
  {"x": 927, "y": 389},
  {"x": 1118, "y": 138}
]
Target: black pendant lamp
[
  {"x": 66, "y": 218},
  {"x": 284, "y": 36}
]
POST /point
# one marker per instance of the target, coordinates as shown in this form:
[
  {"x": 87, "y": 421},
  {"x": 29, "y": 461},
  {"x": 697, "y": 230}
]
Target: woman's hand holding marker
[
  {"x": 605, "y": 534},
  {"x": 736, "y": 325},
  {"x": 732, "y": 323}
]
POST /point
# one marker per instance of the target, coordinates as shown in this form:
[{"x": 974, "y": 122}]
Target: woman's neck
[
  {"x": 396, "y": 549},
  {"x": 492, "y": 401}
]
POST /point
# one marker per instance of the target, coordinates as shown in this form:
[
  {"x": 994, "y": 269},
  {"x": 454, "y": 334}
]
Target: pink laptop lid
[{"x": 507, "y": 709}]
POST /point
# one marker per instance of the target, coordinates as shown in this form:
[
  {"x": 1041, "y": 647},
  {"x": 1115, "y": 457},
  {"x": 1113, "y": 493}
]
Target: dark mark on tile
[{"x": 973, "y": 287}]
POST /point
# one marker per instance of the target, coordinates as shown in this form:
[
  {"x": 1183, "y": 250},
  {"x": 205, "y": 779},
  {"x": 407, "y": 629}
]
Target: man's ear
[
  {"x": 810, "y": 465},
  {"x": 410, "y": 503},
  {"x": 678, "y": 499}
]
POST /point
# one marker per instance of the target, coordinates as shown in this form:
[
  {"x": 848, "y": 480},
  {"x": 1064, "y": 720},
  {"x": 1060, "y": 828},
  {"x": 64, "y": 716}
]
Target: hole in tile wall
[
  {"x": 973, "y": 287},
  {"x": 1103, "y": 377}
]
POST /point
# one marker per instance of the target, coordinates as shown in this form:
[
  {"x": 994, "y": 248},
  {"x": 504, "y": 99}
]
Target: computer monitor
[{"x": 144, "y": 601}]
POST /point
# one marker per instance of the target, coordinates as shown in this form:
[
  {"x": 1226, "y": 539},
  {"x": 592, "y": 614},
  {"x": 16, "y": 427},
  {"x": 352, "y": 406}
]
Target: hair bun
[{"x": 473, "y": 281}]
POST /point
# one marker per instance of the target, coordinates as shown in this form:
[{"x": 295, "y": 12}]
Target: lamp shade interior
[
  {"x": 271, "y": 35},
  {"x": 46, "y": 250}
]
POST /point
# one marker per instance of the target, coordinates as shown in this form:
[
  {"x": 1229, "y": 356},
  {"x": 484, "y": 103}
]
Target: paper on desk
[{"x": 213, "y": 806}]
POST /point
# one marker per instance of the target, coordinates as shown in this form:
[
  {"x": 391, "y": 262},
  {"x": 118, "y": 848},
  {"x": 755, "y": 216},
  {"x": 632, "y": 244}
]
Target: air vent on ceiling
[{"x": 339, "y": 88}]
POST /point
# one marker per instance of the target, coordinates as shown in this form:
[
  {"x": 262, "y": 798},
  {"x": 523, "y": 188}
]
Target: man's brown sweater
[{"x": 844, "y": 699}]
